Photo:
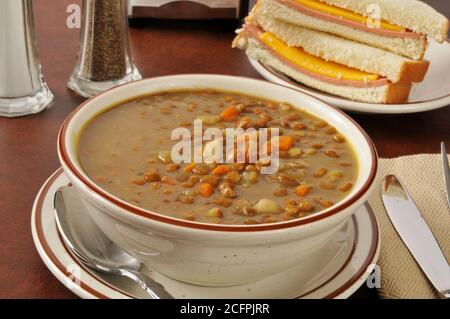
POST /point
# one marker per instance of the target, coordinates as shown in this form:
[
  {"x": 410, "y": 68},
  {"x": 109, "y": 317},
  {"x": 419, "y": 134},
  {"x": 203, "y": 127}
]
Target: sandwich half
[
  {"x": 399, "y": 26},
  {"x": 327, "y": 62},
  {"x": 318, "y": 73},
  {"x": 343, "y": 51}
]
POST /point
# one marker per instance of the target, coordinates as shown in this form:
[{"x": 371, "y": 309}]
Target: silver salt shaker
[{"x": 22, "y": 87}]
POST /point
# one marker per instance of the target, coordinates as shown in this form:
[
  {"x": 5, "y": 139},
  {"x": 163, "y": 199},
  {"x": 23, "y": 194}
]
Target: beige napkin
[{"x": 422, "y": 176}]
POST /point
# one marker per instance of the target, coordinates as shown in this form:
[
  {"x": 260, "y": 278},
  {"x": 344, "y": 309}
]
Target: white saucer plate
[
  {"x": 340, "y": 278},
  {"x": 433, "y": 93}
]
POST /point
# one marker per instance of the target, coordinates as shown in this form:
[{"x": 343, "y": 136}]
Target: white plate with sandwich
[{"x": 336, "y": 51}]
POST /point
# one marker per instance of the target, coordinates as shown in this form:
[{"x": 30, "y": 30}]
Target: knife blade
[
  {"x": 416, "y": 234},
  {"x": 446, "y": 169}
]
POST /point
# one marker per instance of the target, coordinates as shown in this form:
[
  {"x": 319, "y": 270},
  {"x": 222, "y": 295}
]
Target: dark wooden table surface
[{"x": 28, "y": 145}]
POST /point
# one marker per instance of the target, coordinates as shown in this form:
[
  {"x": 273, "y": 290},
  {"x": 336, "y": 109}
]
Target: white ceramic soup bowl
[{"x": 211, "y": 254}]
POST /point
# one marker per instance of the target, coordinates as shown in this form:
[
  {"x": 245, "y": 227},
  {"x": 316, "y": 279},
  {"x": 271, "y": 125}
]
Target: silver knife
[
  {"x": 446, "y": 170},
  {"x": 416, "y": 234}
]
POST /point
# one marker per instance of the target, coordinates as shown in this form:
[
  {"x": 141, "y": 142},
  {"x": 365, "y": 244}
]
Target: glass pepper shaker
[
  {"x": 23, "y": 90},
  {"x": 104, "y": 58}
]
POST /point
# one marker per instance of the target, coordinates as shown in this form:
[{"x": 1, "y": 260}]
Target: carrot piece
[
  {"x": 189, "y": 167},
  {"x": 230, "y": 113},
  {"x": 284, "y": 142},
  {"x": 221, "y": 170},
  {"x": 302, "y": 190},
  {"x": 205, "y": 189}
]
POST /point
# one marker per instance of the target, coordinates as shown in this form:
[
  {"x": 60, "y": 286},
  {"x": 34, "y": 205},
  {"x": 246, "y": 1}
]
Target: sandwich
[
  {"x": 327, "y": 61},
  {"x": 399, "y": 26}
]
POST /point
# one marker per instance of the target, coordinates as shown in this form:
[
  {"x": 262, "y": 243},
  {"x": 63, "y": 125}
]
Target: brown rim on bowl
[{"x": 203, "y": 226}]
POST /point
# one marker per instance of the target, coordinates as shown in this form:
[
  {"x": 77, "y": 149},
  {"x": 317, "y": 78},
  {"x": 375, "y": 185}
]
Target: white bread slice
[
  {"x": 408, "y": 47},
  {"x": 411, "y": 14},
  {"x": 354, "y": 54},
  {"x": 389, "y": 93}
]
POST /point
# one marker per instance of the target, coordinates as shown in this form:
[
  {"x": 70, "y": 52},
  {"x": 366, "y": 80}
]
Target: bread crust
[
  {"x": 414, "y": 71},
  {"x": 397, "y": 93}
]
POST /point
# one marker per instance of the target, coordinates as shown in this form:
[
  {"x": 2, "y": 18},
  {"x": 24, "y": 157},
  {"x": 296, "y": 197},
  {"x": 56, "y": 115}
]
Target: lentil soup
[{"x": 126, "y": 150}]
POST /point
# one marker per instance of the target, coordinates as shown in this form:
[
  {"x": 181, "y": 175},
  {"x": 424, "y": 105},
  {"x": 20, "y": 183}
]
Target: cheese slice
[
  {"x": 346, "y": 14},
  {"x": 314, "y": 64}
]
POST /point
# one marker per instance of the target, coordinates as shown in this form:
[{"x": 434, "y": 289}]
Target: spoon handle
[{"x": 152, "y": 288}]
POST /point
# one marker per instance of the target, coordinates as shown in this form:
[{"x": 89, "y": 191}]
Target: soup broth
[{"x": 126, "y": 150}]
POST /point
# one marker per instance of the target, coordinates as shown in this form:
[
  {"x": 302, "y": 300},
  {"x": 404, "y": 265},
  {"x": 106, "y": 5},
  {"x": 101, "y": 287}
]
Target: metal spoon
[{"x": 87, "y": 242}]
